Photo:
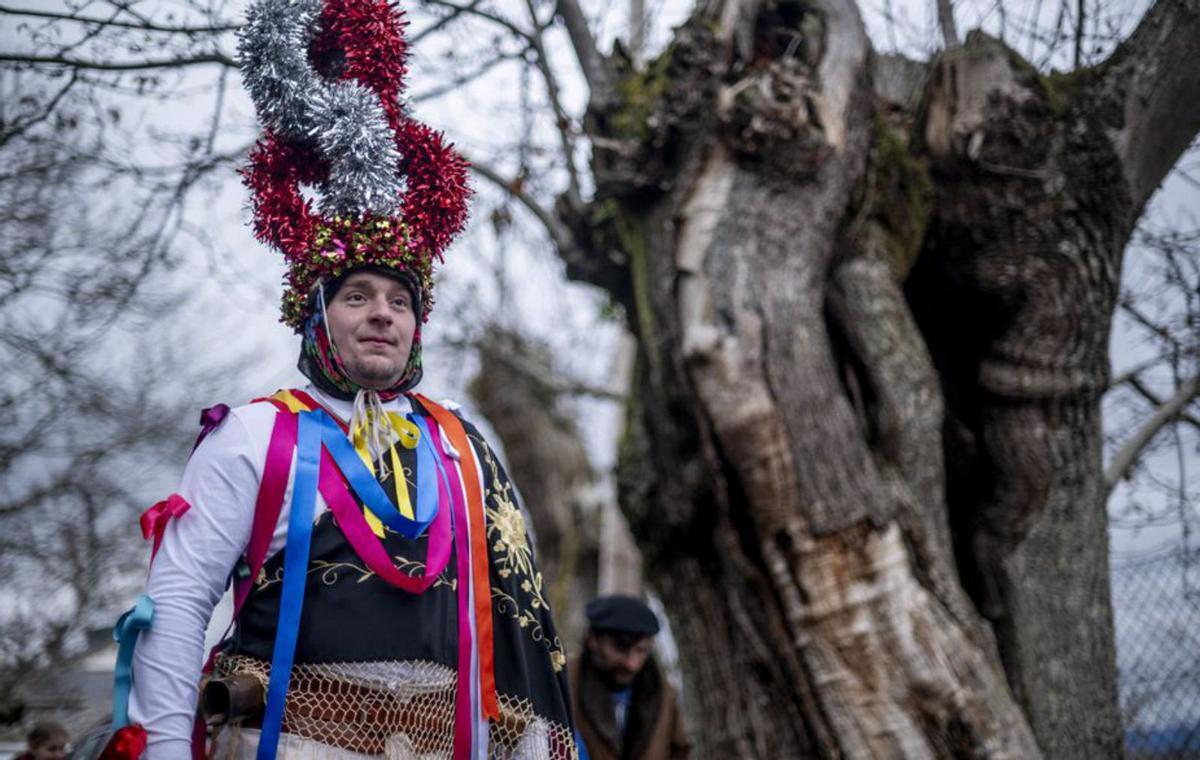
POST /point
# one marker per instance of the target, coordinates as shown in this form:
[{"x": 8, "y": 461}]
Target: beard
[{"x": 375, "y": 372}]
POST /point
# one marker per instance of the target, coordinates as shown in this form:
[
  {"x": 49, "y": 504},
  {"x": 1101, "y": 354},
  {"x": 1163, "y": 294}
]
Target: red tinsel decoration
[
  {"x": 127, "y": 743},
  {"x": 362, "y": 41}
]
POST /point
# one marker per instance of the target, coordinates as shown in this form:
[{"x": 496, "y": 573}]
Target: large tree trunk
[{"x": 863, "y": 447}]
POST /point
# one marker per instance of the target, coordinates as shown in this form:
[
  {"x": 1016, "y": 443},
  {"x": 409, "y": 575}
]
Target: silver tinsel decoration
[{"x": 344, "y": 119}]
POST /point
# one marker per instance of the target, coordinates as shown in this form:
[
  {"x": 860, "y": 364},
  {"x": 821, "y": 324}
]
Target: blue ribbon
[
  {"x": 429, "y": 467},
  {"x": 295, "y": 570},
  {"x": 367, "y": 487},
  {"x": 125, "y": 633},
  {"x": 429, "y": 462}
]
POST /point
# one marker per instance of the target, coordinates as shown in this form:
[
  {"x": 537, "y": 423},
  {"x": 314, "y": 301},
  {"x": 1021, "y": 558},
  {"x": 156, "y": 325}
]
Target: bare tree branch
[
  {"x": 591, "y": 62},
  {"x": 583, "y": 262},
  {"x": 443, "y": 21},
  {"x": 474, "y": 10},
  {"x": 143, "y": 26},
  {"x": 945, "y": 15},
  {"x": 1153, "y": 77},
  {"x": 1137, "y": 315},
  {"x": 562, "y": 120},
  {"x": 20, "y": 125},
  {"x": 1132, "y": 373},
  {"x": 559, "y": 234},
  {"x": 1080, "y": 15},
  {"x": 637, "y": 30},
  {"x": 1129, "y": 453},
  {"x": 1142, "y": 390},
  {"x": 453, "y": 84},
  {"x": 162, "y": 63}
]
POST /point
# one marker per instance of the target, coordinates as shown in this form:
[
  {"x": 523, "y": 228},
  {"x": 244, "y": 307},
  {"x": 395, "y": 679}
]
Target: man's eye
[{"x": 400, "y": 303}]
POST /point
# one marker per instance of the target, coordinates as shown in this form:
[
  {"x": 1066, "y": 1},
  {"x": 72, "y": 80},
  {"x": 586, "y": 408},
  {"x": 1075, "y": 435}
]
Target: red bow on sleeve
[
  {"x": 128, "y": 743},
  {"x": 154, "y": 520}
]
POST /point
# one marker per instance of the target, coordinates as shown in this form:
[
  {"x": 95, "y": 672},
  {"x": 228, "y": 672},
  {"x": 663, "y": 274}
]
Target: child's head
[{"x": 48, "y": 741}]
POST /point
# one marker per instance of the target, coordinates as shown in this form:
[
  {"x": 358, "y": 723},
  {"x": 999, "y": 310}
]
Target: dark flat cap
[{"x": 618, "y": 613}]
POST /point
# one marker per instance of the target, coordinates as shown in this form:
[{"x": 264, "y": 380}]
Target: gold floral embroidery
[
  {"x": 511, "y": 554},
  {"x": 331, "y": 572}
]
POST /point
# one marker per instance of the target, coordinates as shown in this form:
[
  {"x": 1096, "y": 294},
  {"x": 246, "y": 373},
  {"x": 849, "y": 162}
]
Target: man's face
[
  {"x": 54, "y": 748},
  {"x": 371, "y": 322},
  {"x": 619, "y": 656}
]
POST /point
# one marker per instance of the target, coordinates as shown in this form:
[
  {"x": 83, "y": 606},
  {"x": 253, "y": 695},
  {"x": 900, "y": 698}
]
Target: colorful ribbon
[
  {"x": 210, "y": 419},
  {"x": 154, "y": 520},
  {"x": 295, "y": 572},
  {"x": 129, "y": 626},
  {"x": 127, "y": 743},
  {"x": 363, "y": 481},
  {"x": 454, "y": 430},
  {"x": 464, "y": 703}
]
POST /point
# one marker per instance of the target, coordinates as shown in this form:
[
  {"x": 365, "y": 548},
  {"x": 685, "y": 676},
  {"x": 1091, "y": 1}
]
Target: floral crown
[{"x": 326, "y": 78}]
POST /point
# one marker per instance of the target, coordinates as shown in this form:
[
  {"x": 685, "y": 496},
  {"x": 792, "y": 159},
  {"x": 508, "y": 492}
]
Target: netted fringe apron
[{"x": 391, "y": 710}]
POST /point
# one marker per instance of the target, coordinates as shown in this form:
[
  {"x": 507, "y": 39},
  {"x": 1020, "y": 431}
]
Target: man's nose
[{"x": 380, "y": 309}]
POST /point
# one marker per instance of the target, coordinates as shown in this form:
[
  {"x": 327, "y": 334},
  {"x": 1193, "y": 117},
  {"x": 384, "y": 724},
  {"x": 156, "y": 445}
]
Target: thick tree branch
[
  {"x": 841, "y": 70},
  {"x": 160, "y": 63},
  {"x": 899, "y": 81},
  {"x": 592, "y": 63},
  {"x": 1128, "y": 455},
  {"x": 1154, "y": 79},
  {"x": 945, "y": 16},
  {"x": 1142, "y": 390}
]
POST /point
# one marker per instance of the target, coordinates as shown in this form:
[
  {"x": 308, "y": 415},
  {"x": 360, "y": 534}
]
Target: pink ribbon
[
  {"x": 464, "y": 707},
  {"x": 367, "y": 546},
  {"x": 154, "y": 520}
]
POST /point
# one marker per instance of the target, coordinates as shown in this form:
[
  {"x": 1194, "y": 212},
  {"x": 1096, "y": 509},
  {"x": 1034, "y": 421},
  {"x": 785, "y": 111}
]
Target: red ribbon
[
  {"x": 154, "y": 520},
  {"x": 128, "y": 743}
]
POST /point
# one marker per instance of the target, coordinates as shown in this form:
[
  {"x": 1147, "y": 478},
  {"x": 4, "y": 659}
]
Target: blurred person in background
[
  {"x": 623, "y": 705},
  {"x": 47, "y": 740}
]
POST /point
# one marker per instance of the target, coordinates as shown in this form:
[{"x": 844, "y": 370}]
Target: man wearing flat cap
[{"x": 624, "y": 708}]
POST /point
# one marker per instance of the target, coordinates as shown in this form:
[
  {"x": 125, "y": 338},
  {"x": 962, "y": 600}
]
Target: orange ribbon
[{"x": 479, "y": 553}]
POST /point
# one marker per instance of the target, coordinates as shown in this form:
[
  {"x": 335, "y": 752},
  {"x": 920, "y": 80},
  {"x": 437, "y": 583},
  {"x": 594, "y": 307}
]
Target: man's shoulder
[
  {"x": 253, "y": 414},
  {"x": 227, "y": 430}
]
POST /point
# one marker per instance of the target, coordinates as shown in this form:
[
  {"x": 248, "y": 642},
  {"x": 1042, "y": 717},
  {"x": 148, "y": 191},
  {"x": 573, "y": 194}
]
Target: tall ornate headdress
[{"x": 326, "y": 78}]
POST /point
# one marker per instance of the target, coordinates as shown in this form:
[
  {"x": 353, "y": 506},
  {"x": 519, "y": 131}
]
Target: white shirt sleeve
[{"x": 188, "y": 577}]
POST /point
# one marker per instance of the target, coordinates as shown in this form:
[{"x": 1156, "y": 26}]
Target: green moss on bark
[
  {"x": 638, "y": 95},
  {"x": 901, "y": 198}
]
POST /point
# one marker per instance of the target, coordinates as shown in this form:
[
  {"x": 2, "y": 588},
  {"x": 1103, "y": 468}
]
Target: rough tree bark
[{"x": 863, "y": 448}]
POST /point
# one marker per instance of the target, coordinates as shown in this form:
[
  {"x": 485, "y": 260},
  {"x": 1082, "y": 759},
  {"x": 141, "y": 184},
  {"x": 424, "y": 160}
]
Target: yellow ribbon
[{"x": 409, "y": 435}]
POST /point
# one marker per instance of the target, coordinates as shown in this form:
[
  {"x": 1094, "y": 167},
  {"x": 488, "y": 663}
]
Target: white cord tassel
[{"x": 370, "y": 416}]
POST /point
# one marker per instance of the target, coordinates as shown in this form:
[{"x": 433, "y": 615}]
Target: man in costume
[
  {"x": 624, "y": 708},
  {"x": 386, "y": 601}
]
